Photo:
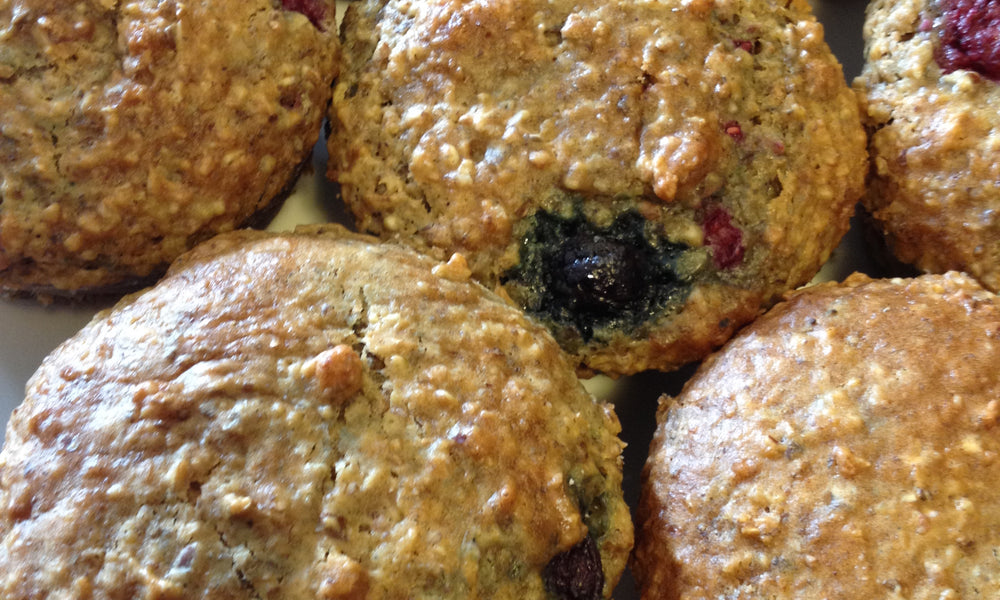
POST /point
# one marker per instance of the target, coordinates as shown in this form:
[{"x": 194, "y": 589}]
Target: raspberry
[
  {"x": 314, "y": 10},
  {"x": 724, "y": 238},
  {"x": 970, "y": 37},
  {"x": 733, "y": 130}
]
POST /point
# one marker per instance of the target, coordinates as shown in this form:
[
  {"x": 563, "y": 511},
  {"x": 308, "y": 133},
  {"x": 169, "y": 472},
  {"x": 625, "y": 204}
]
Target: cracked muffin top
[
  {"x": 640, "y": 176},
  {"x": 931, "y": 88},
  {"x": 311, "y": 415},
  {"x": 842, "y": 446},
  {"x": 131, "y": 130}
]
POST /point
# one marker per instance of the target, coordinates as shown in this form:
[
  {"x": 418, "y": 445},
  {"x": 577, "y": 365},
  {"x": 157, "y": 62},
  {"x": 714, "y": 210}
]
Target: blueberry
[
  {"x": 576, "y": 574},
  {"x": 585, "y": 280},
  {"x": 598, "y": 273},
  {"x": 970, "y": 37}
]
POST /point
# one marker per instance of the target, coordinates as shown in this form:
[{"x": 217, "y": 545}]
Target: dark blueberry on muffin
[
  {"x": 585, "y": 279},
  {"x": 576, "y": 574}
]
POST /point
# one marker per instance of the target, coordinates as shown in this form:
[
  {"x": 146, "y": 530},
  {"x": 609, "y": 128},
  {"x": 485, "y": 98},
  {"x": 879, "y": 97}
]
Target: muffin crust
[
  {"x": 725, "y": 127},
  {"x": 934, "y": 143},
  {"x": 130, "y": 131},
  {"x": 842, "y": 446},
  {"x": 310, "y": 415}
]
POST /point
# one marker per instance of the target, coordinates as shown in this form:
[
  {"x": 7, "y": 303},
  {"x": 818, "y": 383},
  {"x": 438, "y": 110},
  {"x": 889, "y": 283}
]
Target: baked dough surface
[
  {"x": 725, "y": 127},
  {"x": 934, "y": 145},
  {"x": 843, "y": 446},
  {"x": 129, "y": 131},
  {"x": 308, "y": 415}
]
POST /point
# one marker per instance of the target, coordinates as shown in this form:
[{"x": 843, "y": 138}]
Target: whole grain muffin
[
  {"x": 640, "y": 176},
  {"x": 930, "y": 83},
  {"x": 311, "y": 415},
  {"x": 843, "y": 446},
  {"x": 131, "y": 130}
]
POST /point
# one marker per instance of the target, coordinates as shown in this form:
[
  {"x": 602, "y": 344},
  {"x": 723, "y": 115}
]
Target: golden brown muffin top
[
  {"x": 132, "y": 130},
  {"x": 310, "y": 415},
  {"x": 724, "y": 128},
  {"x": 844, "y": 446},
  {"x": 935, "y": 134}
]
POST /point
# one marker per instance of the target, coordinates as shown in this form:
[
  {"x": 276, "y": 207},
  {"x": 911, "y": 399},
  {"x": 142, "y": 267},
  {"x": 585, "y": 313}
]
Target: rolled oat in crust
[
  {"x": 641, "y": 176},
  {"x": 311, "y": 415},
  {"x": 129, "y": 131}
]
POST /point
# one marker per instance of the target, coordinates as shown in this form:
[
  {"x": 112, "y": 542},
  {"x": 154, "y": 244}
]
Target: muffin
[
  {"x": 642, "y": 177},
  {"x": 130, "y": 131},
  {"x": 842, "y": 446},
  {"x": 311, "y": 415},
  {"x": 930, "y": 85}
]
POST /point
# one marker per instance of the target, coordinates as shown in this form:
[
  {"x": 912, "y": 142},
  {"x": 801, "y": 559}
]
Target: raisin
[
  {"x": 313, "y": 10},
  {"x": 724, "y": 238},
  {"x": 584, "y": 278},
  {"x": 576, "y": 574},
  {"x": 970, "y": 37}
]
